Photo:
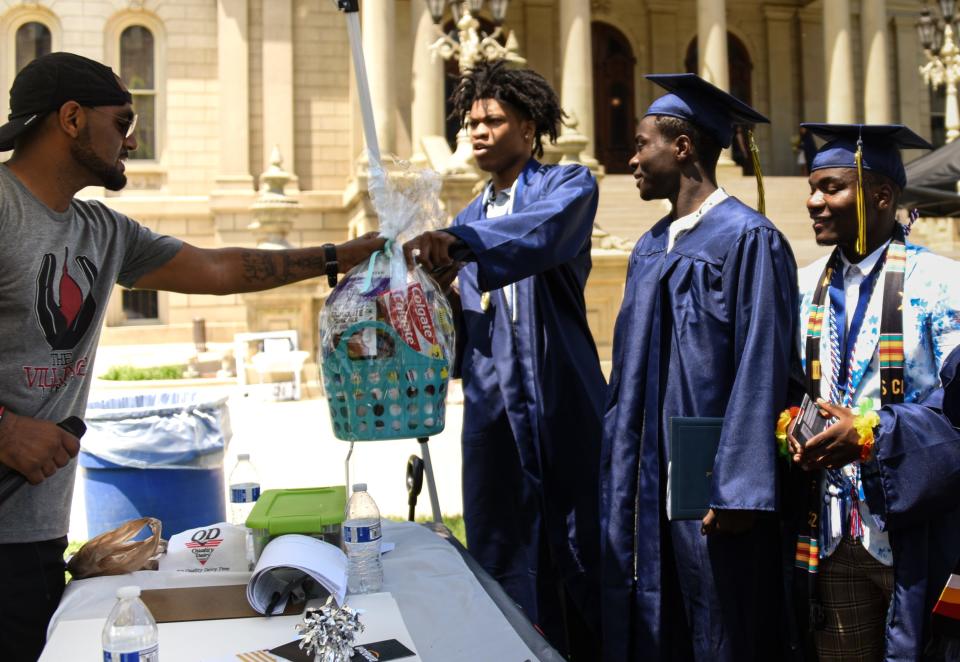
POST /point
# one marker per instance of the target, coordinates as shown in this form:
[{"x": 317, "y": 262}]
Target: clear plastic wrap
[{"x": 386, "y": 332}]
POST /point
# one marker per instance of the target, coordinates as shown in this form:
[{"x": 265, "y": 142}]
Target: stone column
[
  {"x": 232, "y": 69},
  {"x": 576, "y": 86},
  {"x": 914, "y": 96},
  {"x": 876, "y": 71},
  {"x": 664, "y": 50},
  {"x": 378, "y": 22},
  {"x": 783, "y": 74},
  {"x": 812, "y": 52},
  {"x": 712, "y": 60},
  {"x": 838, "y": 62},
  {"x": 278, "y": 82},
  {"x": 426, "y": 112}
]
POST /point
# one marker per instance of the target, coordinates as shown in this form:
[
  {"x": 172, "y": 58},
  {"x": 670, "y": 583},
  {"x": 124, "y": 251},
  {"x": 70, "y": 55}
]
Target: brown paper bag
[{"x": 114, "y": 553}]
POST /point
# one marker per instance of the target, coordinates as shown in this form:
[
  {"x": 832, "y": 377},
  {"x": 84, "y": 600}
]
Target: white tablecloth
[{"x": 446, "y": 611}]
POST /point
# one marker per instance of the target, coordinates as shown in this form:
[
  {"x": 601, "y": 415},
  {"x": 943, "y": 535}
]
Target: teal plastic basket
[{"x": 398, "y": 397}]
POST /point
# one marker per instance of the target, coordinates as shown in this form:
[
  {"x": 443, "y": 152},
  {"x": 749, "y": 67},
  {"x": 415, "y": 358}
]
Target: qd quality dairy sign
[{"x": 219, "y": 547}]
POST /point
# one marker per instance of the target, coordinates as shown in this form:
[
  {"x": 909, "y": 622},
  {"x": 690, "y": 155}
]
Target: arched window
[
  {"x": 33, "y": 40},
  {"x": 137, "y": 55},
  {"x": 614, "y": 120}
]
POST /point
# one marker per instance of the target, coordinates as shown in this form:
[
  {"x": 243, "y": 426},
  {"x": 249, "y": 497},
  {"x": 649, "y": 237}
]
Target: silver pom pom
[{"x": 327, "y": 633}]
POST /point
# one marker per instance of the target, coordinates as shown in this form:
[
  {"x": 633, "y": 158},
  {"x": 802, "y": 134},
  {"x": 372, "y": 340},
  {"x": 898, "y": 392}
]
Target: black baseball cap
[{"x": 52, "y": 80}]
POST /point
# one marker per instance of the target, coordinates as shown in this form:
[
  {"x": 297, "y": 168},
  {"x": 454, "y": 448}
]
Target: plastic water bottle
[
  {"x": 130, "y": 633},
  {"x": 244, "y": 489},
  {"x": 361, "y": 539}
]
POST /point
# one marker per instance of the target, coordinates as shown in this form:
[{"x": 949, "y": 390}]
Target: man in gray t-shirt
[
  {"x": 54, "y": 292},
  {"x": 72, "y": 125}
]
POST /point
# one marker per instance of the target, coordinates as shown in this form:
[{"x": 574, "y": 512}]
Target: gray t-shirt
[{"x": 58, "y": 272}]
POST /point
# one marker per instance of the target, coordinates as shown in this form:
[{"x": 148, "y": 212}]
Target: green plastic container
[
  {"x": 398, "y": 397},
  {"x": 310, "y": 511}
]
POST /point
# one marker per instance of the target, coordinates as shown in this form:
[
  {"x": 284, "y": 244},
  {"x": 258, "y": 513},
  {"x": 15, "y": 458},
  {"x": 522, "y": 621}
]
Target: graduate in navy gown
[
  {"x": 944, "y": 409},
  {"x": 879, "y": 316},
  {"x": 706, "y": 329},
  {"x": 533, "y": 389},
  {"x": 912, "y": 486}
]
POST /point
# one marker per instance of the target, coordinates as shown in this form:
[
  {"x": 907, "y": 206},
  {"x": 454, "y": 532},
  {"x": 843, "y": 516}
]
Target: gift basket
[{"x": 386, "y": 332}]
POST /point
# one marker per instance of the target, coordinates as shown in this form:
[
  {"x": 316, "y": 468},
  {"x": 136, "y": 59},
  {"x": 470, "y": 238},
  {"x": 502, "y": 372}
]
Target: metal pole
[
  {"x": 346, "y": 469},
  {"x": 431, "y": 481},
  {"x": 200, "y": 334}
]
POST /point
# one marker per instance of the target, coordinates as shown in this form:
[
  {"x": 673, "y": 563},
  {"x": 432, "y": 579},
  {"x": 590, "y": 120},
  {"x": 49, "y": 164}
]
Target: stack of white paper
[{"x": 289, "y": 558}]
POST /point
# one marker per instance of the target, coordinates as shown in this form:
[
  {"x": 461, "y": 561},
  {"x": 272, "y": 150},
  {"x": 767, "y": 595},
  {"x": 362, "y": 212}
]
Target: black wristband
[{"x": 330, "y": 263}]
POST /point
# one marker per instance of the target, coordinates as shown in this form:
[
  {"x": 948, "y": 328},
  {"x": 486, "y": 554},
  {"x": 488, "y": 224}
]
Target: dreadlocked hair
[{"x": 524, "y": 89}]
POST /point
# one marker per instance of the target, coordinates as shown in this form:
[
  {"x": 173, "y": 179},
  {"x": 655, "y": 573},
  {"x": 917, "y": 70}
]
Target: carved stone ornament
[{"x": 601, "y": 6}]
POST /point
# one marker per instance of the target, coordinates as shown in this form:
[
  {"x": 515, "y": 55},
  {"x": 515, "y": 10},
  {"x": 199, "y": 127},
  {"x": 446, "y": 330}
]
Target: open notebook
[{"x": 293, "y": 565}]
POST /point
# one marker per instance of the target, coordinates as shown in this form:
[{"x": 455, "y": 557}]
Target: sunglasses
[{"x": 125, "y": 125}]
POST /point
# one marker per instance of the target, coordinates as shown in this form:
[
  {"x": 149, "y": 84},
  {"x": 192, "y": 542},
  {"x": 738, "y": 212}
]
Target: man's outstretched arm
[{"x": 196, "y": 270}]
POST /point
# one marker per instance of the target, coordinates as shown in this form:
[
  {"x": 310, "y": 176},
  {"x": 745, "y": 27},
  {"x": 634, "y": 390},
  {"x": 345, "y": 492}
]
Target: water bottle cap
[
  {"x": 128, "y": 592},
  {"x": 359, "y": 487},
  {"x": 243, "y": 456}
]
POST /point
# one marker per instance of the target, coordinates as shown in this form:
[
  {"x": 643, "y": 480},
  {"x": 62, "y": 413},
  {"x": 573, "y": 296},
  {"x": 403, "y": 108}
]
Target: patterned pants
[{"x": 855, "y": 590}]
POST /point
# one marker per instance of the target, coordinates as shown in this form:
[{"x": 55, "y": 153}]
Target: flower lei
[
  {"x": 864, "y": 423},
  {"x": 783, "y": 422}
]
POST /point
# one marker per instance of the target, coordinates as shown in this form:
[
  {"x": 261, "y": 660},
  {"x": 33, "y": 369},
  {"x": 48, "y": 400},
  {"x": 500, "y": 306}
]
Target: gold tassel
[
  {"x": 861, "y": 205},
  {"x": 755, "y": 157}
]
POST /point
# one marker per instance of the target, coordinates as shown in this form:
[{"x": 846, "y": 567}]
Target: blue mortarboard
[
  {"x": 880, "y": 145},
  {"x": 711, "y": 109},
  {"x": 708, "y": 107},
  {"x": 874, "y": 147}
]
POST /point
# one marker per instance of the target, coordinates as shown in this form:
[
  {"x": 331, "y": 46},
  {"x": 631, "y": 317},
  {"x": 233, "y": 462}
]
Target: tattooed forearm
[
  {"x": 297, "y": 268},
  {"x": 258, "y": 266},
  {"x": 273, "y": 268}
]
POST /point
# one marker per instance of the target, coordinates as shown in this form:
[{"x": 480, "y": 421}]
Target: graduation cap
[
  {"x": 874, "y": 147},
  {"x": 711, "y": 109}
]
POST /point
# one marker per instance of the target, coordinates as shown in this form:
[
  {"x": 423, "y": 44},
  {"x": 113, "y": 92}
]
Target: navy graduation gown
[
  {"x": 533, "y": 394},
  {"x": 912, "y": 486},
  {"x": 705, "y": 330}
]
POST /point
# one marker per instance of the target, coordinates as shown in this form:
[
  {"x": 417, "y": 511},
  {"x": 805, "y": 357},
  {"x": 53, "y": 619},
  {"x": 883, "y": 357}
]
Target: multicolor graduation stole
[{"x": 891, "y": 377}]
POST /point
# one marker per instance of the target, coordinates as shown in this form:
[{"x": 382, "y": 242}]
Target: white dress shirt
[
  {"x": 876, "y": 542},
  {"x": 687, "y": 223},
  {"x": 496, "y": 205},
  {"x": 854, "y": 274}
]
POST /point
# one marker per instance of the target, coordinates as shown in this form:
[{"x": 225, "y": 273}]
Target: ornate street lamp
[
  {"x": 943, "y": 58},
  {"x": 436, "y": 9},
  {"x": 468, "y": 45},
  {"x": 499, "y": 10}
]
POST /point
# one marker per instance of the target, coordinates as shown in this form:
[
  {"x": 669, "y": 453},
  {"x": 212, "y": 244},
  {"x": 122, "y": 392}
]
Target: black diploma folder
[{"x": 693, "y": 448}]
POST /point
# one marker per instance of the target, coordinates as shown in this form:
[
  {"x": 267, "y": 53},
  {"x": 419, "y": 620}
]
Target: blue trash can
[{"x": 155, "y": 455}]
